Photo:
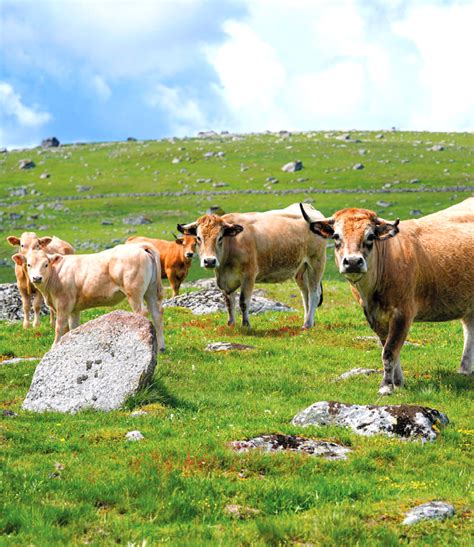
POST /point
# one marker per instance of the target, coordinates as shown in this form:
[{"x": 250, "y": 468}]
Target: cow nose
[
  {"x": 209, "y": 262},
  {"x": 352, "y": 261},
  {"x": 37, "y": 278}
]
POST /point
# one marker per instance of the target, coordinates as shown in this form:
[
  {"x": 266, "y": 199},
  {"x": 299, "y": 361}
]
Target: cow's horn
[{"x": 305, "y": 216}]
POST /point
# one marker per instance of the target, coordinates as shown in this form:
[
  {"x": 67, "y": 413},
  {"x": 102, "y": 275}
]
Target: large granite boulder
[
  {"x": 408, "y": 422},
  {"x": 96, "y": 366}
]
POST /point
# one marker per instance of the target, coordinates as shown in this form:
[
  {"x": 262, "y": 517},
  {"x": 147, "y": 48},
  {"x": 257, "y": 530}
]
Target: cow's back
[{"x": 275, "y": 242}]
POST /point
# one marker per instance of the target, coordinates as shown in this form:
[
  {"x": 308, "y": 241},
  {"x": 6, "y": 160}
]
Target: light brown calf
[
  {"x": 175, "y": 257},
  {"x": 74, "y": 283},
  {"x": 29, "y": 241},
  {"x": 400, "y": 272},
  {"x": 269, "y": 247}
]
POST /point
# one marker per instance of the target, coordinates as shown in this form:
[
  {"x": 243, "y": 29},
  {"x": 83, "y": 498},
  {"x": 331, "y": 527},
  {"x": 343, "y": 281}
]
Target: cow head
[
  {"x": 38, "y": 265},
  {"x": 29, "y": 241},
  {"x": 188, "y": 243},
  {"x": 211, "y": 232},
  {"x": 355, "y": 231}
]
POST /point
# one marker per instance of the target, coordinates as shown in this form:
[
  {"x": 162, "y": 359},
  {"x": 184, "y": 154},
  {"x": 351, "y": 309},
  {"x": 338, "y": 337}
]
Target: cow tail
[{"x": 321, "y": 297}]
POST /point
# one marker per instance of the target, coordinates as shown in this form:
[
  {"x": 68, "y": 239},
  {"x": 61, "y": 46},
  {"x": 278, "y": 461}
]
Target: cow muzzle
[
  {"x": 37, "y": 279},
  {"x": 209, "y": 262},
  {"x": 353, "y": 264}
]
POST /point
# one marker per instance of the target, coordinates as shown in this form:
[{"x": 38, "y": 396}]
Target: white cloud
[
  {"x": 185, "y": 114},
  {"x": 11, "y": 105},
  {"x": 99, "y": 85},
  {"x": 367, "y": 64}
]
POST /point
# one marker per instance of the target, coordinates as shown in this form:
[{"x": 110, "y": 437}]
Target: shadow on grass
[
  {"x": 157, "y": 392},
  {"x": 458, "y": 383}
]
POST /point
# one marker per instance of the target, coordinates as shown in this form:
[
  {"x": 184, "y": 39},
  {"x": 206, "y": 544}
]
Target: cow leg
[
  {"x": 25, "y": 302},
  {"x": 74, "y": 320},
  {"x": 230, "y": 305},
  {"x": 37, "y": 301},
  {"x": 303, "y": 286},
  {"x": 52, "y": 317},
  {"x": 468, "y": 352},
  {"x": 246, "y": 290},
  {"x": 175, "y": 283},
  {"x": 397, "y": 333},
  {"x": 61, "y": 326},
  {"x": 154, "y": 302},
  {"x": 312, "y": 281}
]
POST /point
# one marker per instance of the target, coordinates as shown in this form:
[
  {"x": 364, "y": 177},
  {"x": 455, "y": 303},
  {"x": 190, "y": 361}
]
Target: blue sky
[{"x": 93, "y": 70}]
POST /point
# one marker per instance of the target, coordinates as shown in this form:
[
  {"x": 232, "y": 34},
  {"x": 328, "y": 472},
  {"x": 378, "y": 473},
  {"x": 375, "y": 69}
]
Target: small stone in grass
[
  {"x": 432, "y": 510},
  {"x": 134, "y": 436}
]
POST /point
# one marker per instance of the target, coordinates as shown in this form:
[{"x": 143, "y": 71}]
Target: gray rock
[
  {"x": 211, "y": 300},
  {"x": 106, "y": 222},
  {"x": 26, "y": 164},
  {"x": 83, "y": 188},
  {"x": 291, "y": 443},
  {"x": 432, "y": 510},
  {"x": 134, "y": 436},
  {"x": 414, "y": 181},
  {"x": 96, "y": 366},
  {"x": 51, "y": 142},
  {"x": 437, "y": 148},
  {"x": 358, "y": 372},
  {"x": 358, "y": 166},
  {"x": 137, "y": 220},
  {"x": 380, "y": 136},
  {"x": 45, "y": 176},
  {"x": 292, "y": 166},
  {"x": 7, "y": 413},
  {"x": 137, "y": 413},
  {"x": 19, "y": 192},
  {"x": 416, "y": 213},
  {"x": 383, "y": 203},
  {"x": 227, "y": 346},
  {"x": 176, "y": 160},
  {"x": 407, "y": 422},
  {"x": 10, "y": 303}
]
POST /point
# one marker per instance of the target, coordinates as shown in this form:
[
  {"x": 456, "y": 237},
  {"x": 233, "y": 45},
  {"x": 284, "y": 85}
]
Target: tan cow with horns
[
  {"x": 269, "y": 247},
  {"x": 400, "y": 272}
]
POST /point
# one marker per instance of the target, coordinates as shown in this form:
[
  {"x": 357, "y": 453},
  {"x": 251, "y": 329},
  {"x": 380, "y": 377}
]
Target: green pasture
[{"x": 75, "y": 480}]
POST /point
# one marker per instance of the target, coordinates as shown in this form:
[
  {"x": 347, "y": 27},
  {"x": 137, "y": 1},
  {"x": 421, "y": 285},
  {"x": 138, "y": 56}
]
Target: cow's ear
[
  {"x": 19, "y": 259},
  {"x": 384, "y": 229},
  {"x": 13, "y": 240},
  {"x": 55, "y": 259},
  {"x": 188, "y": 229},
  {"x": 44, "y": 241},
  {"x": 232, "y": 229},
  {"x": 323, "y": 228}
]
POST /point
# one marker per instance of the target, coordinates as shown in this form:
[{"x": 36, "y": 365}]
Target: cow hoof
[{"x": 385, "y": 390}]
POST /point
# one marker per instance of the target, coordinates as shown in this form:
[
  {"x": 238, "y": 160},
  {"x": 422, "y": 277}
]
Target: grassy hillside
[{"x": 74, "y": 479}]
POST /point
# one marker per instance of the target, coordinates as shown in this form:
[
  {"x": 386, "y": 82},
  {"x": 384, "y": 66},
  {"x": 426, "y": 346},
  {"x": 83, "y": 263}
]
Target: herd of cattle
[{"x": 400, "y": 272}]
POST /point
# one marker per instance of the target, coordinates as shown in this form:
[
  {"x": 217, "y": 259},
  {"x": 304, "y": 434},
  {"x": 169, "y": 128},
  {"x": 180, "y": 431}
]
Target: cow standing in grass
[
  {"x": 74, "y": 283},
  {"x": 400, "y": 272},
  {"x": 270, "y": 247},
  {"x": 175, "y": 257},
  {"x": 29, "y": 241}
]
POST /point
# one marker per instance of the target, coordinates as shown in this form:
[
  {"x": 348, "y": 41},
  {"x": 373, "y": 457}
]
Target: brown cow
[
  {"x": 175, "y": 257},
  {"x": 29, "y": 241},
  {"x": 269, "y": 247},
  {"x": 74, "y": 283},
  {"x": 400, "y": 272}
]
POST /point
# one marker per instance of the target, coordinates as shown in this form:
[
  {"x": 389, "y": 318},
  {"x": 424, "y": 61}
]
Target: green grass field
[{"x": 74, "y": 479}]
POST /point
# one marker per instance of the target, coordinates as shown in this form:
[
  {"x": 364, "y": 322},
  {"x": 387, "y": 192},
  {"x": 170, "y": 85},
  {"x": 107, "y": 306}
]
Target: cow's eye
[
  {"x": 46, "y": 265},
  {"x": 219, "y": 239},
  {"x": 370, "y": 238},
  {"x": 22, "y": 246},
  {"x": 29, "y": 265},
  {"x": 198, "y": 239}
]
